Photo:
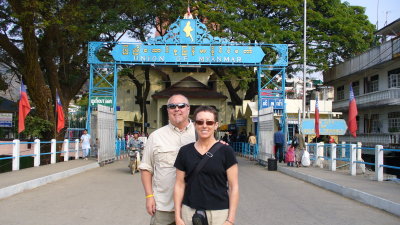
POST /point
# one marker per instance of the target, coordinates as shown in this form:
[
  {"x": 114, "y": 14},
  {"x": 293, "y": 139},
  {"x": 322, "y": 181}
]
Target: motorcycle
[{"x": 134, "y": 159}]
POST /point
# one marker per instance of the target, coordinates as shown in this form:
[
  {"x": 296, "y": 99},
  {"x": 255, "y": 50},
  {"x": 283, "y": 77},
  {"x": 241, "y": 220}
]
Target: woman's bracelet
[
  {"x": 148, "y": 196},
  {"x": 230, "y": 222}
]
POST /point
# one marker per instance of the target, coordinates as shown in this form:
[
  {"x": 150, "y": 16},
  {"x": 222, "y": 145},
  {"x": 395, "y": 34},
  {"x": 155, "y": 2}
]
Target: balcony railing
[
  {"x": 385, "y": 139},
  {"x": 374, "y": 56},
  {"x": 378, "y": 98}
]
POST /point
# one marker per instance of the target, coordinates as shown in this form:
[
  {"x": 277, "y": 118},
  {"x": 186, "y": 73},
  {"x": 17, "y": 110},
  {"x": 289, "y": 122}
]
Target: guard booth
[{"x": 188, "y": 43}]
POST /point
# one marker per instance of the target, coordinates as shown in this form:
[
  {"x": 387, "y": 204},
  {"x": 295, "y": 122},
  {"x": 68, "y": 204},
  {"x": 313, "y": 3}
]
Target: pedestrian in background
[
  {"x": 85, "y": 143},
  {"x": 300, "y": 146},
  {"x": 279, "y": 141}
]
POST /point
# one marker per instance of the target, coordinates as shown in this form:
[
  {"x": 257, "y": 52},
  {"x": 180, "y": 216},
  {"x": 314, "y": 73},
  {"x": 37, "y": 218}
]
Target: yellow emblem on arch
[{"x": 188, "y": 29}]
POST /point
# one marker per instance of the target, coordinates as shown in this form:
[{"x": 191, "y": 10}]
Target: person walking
[
  {"x": 252, "y": 142},
  {"x": 157, "y": 167},
  {"x": 279, "y": 141},
  {"x": 213, "y": 189},
  {"x": 85, "y": 143},
  {"x": 300, "y": 146}
]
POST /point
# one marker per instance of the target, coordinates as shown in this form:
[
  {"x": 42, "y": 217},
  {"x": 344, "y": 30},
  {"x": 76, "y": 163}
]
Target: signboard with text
[
  {"x": 6, "y": 119},
  {"x": 276, "y": 103},
  {"x": 188, "y": 41},
  {"x": 326, "y": 126},
  {"x": 106, "y": 101}
]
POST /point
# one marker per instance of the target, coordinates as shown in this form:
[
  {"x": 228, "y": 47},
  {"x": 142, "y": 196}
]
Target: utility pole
[
  {"x": 304, "y": 58},
  {"x": 143, "y": 104}
]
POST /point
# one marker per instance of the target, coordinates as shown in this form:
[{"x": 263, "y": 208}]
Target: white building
[{"x": 375, "y": 78}]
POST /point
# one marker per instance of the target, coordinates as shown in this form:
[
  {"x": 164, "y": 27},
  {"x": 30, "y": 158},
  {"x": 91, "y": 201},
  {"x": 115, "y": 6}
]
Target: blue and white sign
[
  {"x": 326, "y": 126},
  {"x": 276, "y": 103},
  {"x": 241, "y": 122},
  {"x": 210, "y": 54},
  {"x": 188, "y": 41},
  {"x": 6, "y": 119}
]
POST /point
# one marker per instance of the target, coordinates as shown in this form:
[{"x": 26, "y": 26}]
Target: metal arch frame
[
  {"x": 95, "y": 90},
  {"x": 273, "y": 94},
  {"x": 176, "y": 39}
]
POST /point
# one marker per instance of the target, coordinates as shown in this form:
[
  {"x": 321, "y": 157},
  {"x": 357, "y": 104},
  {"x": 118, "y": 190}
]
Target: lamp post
[
  {"x": 143, "y": 102},
  {"x": 304, "y": 58}
]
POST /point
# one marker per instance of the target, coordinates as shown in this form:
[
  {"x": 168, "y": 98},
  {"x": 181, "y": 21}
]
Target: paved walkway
[
  {"x": 111, "y": 195},
  {"x": 15, "y": 182},
  {"x": 384, "y": 195}
]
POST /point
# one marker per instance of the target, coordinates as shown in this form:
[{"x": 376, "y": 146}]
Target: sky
[{"x": 387, "y": 10}]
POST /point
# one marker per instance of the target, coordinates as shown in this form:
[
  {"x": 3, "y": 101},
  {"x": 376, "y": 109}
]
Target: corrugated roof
[{"x": 393, "y": 29}]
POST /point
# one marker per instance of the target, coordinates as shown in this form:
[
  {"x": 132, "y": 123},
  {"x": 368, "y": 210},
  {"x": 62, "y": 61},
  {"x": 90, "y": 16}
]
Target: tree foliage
[
  {"x": 45, "y": 41},
  {"x": 335, "y": 31}
]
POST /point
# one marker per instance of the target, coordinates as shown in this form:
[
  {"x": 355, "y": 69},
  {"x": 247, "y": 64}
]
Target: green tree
[
  {"x": 45, "y": 43},
  {"x": 335, "y": 31}
]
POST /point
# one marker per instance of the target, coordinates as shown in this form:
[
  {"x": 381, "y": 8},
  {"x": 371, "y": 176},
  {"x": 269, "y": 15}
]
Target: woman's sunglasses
[
  {"x": 180, "y": 106},
  {"x": 208, "y": 122}
]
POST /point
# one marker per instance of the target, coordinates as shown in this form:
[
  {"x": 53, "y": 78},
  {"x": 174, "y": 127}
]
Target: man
[
  {"x": 85, "y": 142},
  {"x": 279, "y": 141},
  {"x": 157, "y": 167},
  {"x": 134, "y": 142}
]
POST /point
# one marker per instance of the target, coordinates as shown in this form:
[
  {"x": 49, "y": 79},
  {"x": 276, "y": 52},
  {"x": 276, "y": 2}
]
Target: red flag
[
  {"x": 316, "y": 122},
  {"x": 60, "y": 113},
  {"x": 352, "y": 120},
  {"x": 23, "y": 108}
]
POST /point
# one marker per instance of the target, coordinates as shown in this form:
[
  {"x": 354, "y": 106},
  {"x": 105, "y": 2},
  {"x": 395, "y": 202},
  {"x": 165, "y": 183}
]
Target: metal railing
[
  {"x": 380, "y": 97},
  {"x": 36, "y": 152},
  {"x": 121, "y": 148},
  {"x": 350, "y": 153},
  {"x": 375, "y": 139},
  {"x": 245, "y": 149}
]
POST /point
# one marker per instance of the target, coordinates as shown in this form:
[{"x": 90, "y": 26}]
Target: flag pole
[{"x": 55, "y": 118}]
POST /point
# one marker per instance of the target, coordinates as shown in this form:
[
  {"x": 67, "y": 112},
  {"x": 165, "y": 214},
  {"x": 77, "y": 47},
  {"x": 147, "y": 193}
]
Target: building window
[
  {"x": 366, "y": 124},
  {"x": 356, "y": 88},
  {"x": 375, "y": 123},
  {"x": 340, "y": 93},
  {"x": 371, "y": 84},
  {"x": 394, "y": 121},
  {"x": 394, "y": 78}
]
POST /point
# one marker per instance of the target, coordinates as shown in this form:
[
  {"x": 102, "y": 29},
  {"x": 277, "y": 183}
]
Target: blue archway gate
[{"x": 188, "y": 42}]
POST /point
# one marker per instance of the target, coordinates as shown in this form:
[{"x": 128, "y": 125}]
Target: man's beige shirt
[{"x": 159, "y": 156}]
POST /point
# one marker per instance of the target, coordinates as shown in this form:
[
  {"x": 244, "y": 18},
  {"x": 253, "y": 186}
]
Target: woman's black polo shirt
[{"x": 209, "y": 189}]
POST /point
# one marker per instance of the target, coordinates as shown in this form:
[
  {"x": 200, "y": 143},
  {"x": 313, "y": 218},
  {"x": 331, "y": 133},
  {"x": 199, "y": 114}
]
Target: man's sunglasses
[
  {"x": 180, "y": 106},
  {"x": 208, "y": 122}
]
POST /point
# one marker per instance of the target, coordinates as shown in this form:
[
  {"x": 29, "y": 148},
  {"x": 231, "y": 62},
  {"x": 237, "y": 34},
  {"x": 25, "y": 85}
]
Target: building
[
  {"x": 199, "y": 84},
  {"x": 375, "y": 78}
]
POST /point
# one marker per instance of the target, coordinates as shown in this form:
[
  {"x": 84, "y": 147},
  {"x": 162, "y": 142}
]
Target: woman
[
  {"x": 208, "y": 189},
  {"x": 300, "y": 147}
]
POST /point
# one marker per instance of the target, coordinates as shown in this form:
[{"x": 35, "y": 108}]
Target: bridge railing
[
  {"x": 351, "y": 154},
  {"x": 120, "y": 148},
  {"x": 245, "y": 149},
  {"x": 68, "y": 149}
]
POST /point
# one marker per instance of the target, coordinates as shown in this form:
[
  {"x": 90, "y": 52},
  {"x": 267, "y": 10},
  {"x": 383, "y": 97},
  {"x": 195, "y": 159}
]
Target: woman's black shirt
[{"x": 209, "y": 189}]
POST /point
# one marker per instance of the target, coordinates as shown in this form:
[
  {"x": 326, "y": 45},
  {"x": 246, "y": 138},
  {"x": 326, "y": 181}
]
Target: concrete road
[{"x": 110, "y": 195}]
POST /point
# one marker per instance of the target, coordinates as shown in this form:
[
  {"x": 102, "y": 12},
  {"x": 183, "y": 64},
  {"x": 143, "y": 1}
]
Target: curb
[
  {"x": 28, "y": 185},
  {"x": 360, "y": 196}
]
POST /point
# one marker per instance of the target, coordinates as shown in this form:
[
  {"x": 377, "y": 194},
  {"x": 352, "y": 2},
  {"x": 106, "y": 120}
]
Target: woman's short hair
[{"x": 206, "y": 108}]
